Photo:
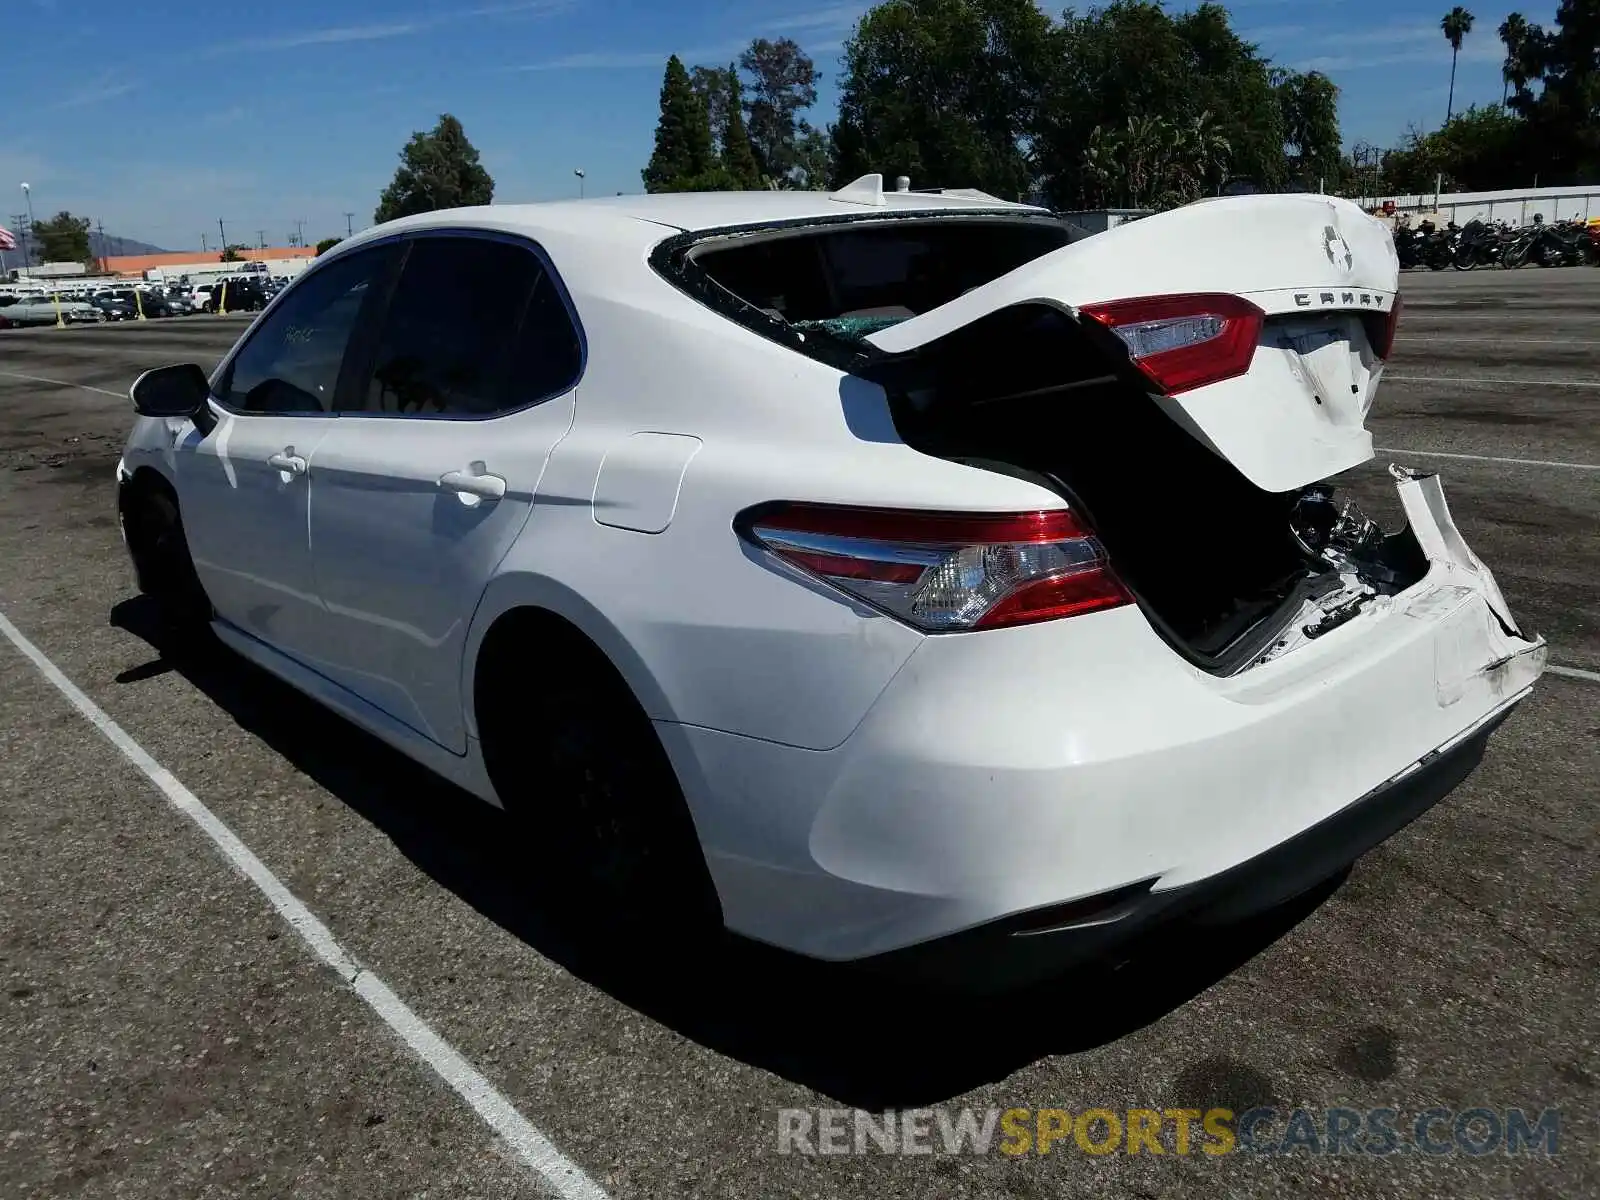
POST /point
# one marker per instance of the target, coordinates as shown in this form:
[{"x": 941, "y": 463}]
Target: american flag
[{"x": 7, "y": 242}]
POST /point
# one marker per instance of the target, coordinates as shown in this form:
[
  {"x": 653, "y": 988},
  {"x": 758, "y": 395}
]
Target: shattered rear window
[{"x": 849, "y": 329}]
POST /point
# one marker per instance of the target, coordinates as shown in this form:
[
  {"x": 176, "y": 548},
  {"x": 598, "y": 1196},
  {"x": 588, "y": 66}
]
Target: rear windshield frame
[{"x": 674, "y": 260}]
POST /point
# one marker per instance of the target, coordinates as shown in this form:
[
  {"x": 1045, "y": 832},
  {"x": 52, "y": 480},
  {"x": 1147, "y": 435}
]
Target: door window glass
[
  {"x": 475, "y": 328},
  {"x": 291, "y": 363}
]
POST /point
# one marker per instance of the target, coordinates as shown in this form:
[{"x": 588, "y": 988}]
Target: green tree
[
  {"x": 813, "y": 159},
  {"x": 1308, "y": 107},
  {"x": 1231, "y": 81},
  {"x": 1457, "y": 23},
  {"x": 63, "y": 238},
  {"x": 738, "y": 157},
  {"x": 1478, "y": 150},
  {"x": 683, "y": 158},
  {"x": 438, "y": 169},
  {"x": 234, "y": 252},
  {"x": 1516, "y": 70},
  {"x": 712, "y": 85},
  {"x": 1555, "y": 78},
  {"x": 1133, "y": 59},
  {"x": 945, "y": 92},
  {"x": 326, "y": 244},
  {"x": 781, "y": 84}
]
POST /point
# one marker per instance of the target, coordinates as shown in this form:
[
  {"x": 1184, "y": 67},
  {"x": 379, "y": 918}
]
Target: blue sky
[{"x": 157, "y": 117}]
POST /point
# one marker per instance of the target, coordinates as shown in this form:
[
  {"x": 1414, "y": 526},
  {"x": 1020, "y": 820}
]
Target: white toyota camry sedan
[{"x": 897, "y": 578}]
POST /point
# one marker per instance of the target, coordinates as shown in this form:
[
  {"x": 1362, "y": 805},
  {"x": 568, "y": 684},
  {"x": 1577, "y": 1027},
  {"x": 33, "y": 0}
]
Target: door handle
[
  {"x": 474, "y": 482},
  {"x": 287, "y": 460}
]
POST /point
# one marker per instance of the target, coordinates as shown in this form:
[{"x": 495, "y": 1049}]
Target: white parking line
[
  {"x": 1502, "y": 341},
  {"x": 562, "y": 1175},
  {"x": 1575, "y": 673},
  {"x": 1577, "y": 383},
  {"x": 63, "y": 383},
  {"x": 1521, "y": 462}
]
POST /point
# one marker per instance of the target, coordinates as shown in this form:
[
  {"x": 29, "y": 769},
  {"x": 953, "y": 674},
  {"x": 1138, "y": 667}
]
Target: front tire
[{"x": 153, "y": 529}]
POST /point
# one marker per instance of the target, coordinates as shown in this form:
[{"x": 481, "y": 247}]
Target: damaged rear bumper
[
  {"x": 1080, "y": 779},
  {"x": 1017, "y": 951}
]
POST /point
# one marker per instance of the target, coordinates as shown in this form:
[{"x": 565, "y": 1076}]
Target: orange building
[{"x": 133, "y": 266}]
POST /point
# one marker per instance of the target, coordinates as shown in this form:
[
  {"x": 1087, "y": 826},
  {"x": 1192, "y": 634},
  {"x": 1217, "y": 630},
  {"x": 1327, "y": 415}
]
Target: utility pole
[
  {"x": 27, "y": 195},
  {"x": 105, "y": 250},
  {"x": 261, "y": 239},
  {"x": 349, "y": 227},
  {"x": 299, "y": 231},
  {"x": 203, "y": 246},
  {"x": 223, "y": 234}
]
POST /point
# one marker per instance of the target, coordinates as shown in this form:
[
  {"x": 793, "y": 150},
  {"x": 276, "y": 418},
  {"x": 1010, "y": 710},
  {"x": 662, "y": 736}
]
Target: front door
[
  {"x": 244, "y": 486},
  {"x": 428, "y": 476}
]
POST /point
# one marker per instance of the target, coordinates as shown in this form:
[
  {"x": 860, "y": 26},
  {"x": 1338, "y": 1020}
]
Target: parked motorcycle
[
  {"x": 1478, "y": 245},
  {"x": 1424, "y": 246}
]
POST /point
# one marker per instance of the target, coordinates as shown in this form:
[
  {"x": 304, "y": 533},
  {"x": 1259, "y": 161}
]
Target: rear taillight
[
  {"x": 946, "y": 572},
  {"x": 1383, "y": 343},
  {"x": 1184, "y": 342}
]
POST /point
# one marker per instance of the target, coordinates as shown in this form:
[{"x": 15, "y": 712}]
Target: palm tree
[
  {"x": 1457, "y": 24},
  {"x": 1514, "y": 34}
]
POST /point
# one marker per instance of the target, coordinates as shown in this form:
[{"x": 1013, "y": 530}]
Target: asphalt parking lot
[{"x": 164, "y": 1032}]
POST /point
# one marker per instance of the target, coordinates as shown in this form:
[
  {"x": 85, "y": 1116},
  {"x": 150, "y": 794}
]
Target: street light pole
[
  {"x": 578, "y": 171},
  {"x": 27, "y": 259}
]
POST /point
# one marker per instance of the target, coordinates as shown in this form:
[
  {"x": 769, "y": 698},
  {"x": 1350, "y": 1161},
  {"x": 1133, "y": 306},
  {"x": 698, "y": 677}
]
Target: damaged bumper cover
[
  {"x": 987, "y": 798},
  {"x": 1448, "y": 575}
]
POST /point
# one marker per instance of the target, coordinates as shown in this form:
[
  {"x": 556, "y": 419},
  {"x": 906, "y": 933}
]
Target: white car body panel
[
  {"x": 857, "y": 785},
  {"x": 246, "y": 523},
  {"x": 401, "y": 562}
]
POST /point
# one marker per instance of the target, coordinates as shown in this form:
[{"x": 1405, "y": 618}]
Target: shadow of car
[{"x": 864, "y": 1040}]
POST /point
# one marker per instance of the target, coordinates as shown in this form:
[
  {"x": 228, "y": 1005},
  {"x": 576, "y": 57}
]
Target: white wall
[{"x": 1515, "y": 206}]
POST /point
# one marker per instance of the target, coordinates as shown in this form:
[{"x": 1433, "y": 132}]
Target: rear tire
[
  {"x": 165, "y": 571},
  {"x": 579, "y": 767}
]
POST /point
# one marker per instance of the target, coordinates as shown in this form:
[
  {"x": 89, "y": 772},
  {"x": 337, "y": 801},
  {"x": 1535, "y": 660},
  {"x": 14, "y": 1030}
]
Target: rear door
[
  {"x": 429, "y": 473},
  {"x": 1260, "y": 322}
]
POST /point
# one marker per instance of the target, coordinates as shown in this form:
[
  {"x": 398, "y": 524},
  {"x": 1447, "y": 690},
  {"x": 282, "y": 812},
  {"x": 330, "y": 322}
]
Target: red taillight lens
[
  {"x": 1383, "y": 346},
  {"x": 945, "y": 572},
  {"x": 1184, "y": 342}
]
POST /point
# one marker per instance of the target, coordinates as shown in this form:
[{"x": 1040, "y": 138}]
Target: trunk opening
[{"x": 1217, "y": 564}]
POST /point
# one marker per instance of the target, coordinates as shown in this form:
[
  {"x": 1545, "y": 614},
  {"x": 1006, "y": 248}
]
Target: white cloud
[
  {"x": 605, "y": 60},
  {"x": 323, "y": 37},
  {"x": 94, "y": 93},
  {"x": 838, "y": 17},
  {"x": 382, "y": 30}
]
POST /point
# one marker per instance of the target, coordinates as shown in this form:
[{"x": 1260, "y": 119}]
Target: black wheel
[
  {"x": 162, "y": 565},
  {"x": 580, "y": 768}
]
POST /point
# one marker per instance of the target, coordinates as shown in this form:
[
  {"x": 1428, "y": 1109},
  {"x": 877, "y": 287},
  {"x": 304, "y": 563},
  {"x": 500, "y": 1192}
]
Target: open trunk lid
[{"x": 1322, "y": 274}]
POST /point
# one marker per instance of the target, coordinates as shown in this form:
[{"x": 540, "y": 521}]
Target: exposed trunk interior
[{"x": 1216, "y": 563}]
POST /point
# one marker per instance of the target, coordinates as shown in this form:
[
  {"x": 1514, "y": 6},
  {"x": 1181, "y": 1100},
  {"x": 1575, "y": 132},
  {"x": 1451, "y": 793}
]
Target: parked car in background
[
  {"x": 150, "y": 303},
  {"x": 239, "y": 294},
  {"x": 893, "y": 578},
  {"x": 114, "y": 307},
  {"x": 41, "y": 310}
]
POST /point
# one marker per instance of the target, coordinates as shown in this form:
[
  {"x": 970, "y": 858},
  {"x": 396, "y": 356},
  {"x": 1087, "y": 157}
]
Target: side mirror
[{"x": 175, "y": 391}]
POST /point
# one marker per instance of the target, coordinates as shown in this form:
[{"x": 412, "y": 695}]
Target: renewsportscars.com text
[{"x": 1015, "y": 1132}]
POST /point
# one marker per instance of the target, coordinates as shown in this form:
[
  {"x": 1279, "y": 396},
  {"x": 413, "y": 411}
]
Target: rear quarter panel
[{"x": 707, "y": 630}]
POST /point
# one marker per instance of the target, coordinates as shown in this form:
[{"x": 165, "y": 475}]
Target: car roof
[{"x": 639, "y": 221}]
